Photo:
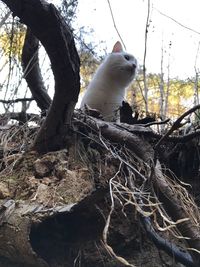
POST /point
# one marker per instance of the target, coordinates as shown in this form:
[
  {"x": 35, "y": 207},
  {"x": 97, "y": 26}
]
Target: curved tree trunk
[{"x": 50, "y": 28}]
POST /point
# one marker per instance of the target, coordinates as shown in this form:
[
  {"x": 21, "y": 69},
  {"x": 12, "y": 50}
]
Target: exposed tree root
[{"x": 117, "y": 165}]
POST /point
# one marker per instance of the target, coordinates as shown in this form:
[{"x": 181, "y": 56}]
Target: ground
[{"x": 77, "y": 177}]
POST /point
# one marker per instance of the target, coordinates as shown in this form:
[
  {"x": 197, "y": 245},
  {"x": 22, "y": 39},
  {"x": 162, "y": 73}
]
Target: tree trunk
[
  {"x": 161, "y": 86},
  {"x": 144, "y": 61},
  {"x": 48, "y": 26}
]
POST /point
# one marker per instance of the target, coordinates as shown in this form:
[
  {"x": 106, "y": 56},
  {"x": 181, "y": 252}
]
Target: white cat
[{"x": 107, "y": 89}]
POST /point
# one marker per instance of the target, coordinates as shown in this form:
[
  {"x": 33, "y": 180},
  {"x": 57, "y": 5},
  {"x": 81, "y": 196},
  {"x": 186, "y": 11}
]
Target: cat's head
[{"x": 121, "y": 65}]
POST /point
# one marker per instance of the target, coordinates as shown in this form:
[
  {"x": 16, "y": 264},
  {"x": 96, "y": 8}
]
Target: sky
[{"x": 180, "y": 45}]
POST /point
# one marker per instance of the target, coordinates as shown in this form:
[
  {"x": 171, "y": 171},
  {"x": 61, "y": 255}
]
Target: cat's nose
[{"x": 134, "y": 66}]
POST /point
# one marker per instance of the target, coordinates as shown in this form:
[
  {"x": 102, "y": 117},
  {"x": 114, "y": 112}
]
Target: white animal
[{"x": 107, "y": 89}]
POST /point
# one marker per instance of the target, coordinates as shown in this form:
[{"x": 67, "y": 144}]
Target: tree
[{"x": 65, "y": 71}]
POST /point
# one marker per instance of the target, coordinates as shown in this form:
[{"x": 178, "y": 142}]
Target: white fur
[{"x": 107, "y": 89}]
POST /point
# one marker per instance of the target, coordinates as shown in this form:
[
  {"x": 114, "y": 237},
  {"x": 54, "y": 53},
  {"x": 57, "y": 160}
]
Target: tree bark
[
  {"x": 49, "y": 27},
  {"x": 34, "y": 235},
  {"x": 16, "y": 234}
]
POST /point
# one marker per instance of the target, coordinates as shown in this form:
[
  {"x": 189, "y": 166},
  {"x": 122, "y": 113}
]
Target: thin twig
[
  {"x": 144, "y": 59},
  {"x": 156, "y": 123},
  {"x": 5, "y": 18},
  {"x": 16, "y": 100},
  {"x": 114, "y": 23},
  {"x": 176, "y": 125},
  {"x": 177, "y": 22}
]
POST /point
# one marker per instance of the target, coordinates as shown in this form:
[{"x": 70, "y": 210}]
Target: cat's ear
[{"x": 117, "y": 48}]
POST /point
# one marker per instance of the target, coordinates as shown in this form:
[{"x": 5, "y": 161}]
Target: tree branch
[
  {"x": 32, "y": 73},
  {"x": 16, "y": 100},
  {"x": 176, "y": 125}
]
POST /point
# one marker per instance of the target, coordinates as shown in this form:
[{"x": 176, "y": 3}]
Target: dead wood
[
  {"x": 38, "y": 236},
  {"x": 15, "y": 232},
  {"x": 175, "y": 200},
  {"x": 147, "y": 132},
  {"x": 117, "y": 135},
  {"x": 126, "y": 116},
  {"x": 177, "y": 124},
  {"x": 16, "y": 100}
]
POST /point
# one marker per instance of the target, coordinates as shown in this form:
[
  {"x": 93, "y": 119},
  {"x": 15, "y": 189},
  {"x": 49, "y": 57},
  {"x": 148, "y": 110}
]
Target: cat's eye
[{"x": 127, "y": 57}]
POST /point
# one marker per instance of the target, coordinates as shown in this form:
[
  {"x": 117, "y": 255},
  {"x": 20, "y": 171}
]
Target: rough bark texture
[
  {"x": 16, "y": 226},
  {"x": 47, "y": 25},
  {"x": 37, "y": 236},
  {"x": 119, "y": 135},
  {"x": 32, "y": 73}
]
